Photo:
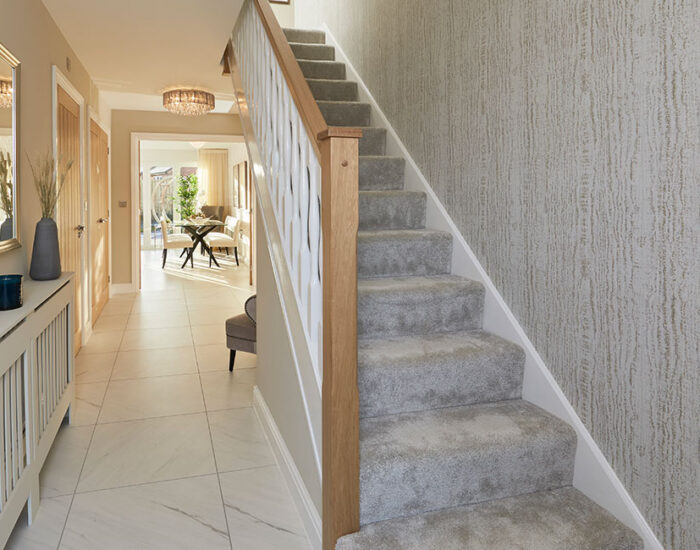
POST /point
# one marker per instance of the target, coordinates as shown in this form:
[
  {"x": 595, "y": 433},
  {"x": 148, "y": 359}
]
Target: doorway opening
[{"x": 195, "y": 216}]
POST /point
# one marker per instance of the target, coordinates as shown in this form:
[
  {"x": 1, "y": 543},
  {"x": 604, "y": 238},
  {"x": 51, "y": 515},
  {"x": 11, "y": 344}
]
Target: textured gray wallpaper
[{"x": 563, "y": 138}]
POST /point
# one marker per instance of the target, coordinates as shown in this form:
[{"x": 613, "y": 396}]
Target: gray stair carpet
[{"x": 451, "y": 457}]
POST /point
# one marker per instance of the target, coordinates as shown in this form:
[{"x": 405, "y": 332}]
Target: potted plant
[
  {"x": 6, "y": 227},
  {"x": 49, "y": 179},
  {"x": 187, "y": 190}
]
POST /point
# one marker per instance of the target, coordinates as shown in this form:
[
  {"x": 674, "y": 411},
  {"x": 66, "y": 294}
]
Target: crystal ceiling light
[
  {"x": 188, "y": 102},
  {"x": 5, "y": 94}
]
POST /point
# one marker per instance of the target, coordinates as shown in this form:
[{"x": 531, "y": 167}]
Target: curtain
[{"x": 214, "y": 178}]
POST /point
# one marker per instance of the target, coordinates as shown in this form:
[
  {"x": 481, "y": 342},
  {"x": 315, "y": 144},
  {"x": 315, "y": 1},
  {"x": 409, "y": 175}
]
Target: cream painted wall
[
  {"x": 563, "y": 139},
  {"x": 123, "y": 124},
  {"x": 276, "y": 375},
  {"x": 284, "y": 14},
  {"x": 29, "y": 32}
]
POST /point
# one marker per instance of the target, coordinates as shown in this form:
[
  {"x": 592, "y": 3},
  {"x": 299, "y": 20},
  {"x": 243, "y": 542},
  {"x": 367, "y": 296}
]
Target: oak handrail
[{"x": 337, "y": 151}]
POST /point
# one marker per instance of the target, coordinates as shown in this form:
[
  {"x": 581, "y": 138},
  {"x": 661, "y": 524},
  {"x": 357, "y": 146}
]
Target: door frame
[
  {"x": 94, "y": 117},
  {"x": 136, "y": 138},
  {"x": 59, "y": 79}
]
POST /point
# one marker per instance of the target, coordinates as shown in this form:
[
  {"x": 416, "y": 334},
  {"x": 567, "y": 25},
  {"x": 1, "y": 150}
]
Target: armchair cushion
[{"x": 240, "y": 327}]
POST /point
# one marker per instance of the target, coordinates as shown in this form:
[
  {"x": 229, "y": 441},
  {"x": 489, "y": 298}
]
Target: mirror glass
[{"x": 9, "y": 74}]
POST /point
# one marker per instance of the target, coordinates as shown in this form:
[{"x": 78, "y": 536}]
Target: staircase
[{"x": 451, "y": 456}]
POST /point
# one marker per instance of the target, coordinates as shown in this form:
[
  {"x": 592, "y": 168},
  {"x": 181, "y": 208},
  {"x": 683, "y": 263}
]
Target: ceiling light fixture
[
  {"x": 188, "y": 102},
  {"x": 5, "y": 94}
]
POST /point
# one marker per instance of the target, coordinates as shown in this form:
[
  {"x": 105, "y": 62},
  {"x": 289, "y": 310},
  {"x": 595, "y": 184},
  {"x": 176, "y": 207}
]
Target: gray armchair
[
  {"x": 213, "y": 212},
  {"x": 241, "y": 331}
]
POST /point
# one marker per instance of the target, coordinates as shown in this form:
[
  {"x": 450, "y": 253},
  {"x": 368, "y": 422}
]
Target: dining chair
[
  {"x": 226, "y": 240},
  {"x": 174, "y": 240}
]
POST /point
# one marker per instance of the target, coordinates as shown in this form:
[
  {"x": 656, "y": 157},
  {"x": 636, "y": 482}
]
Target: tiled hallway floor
[{"x": 165, "y": 450}]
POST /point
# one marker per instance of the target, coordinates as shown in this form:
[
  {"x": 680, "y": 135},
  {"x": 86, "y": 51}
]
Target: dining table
[{"x": 198, "y": 229}]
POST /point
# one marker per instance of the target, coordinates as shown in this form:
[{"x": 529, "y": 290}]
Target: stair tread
[
  {"x": 305, "y": 36},
  {"x": 322, "y": 62},
  {"x": 548, "y": 520},
  {"x": 407, "y": 374},
  {"x": 391, "y": 192},
  {"x": 472, "y": 428},
  {"x": 380, "y": 352},
  {"x": 378, "y": 157},
  {"x": 460, "y": 455},
  {"x": 403, "y": 234},
  {"x": 344, "y": 102},
  {"x": 425, "y": 284}
]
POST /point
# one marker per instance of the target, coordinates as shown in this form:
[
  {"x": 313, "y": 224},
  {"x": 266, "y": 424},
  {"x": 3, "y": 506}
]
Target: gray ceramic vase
[{"x": 46, "y": 258}]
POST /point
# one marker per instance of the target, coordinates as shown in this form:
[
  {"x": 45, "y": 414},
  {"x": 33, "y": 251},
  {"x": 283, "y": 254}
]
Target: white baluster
[{"x": 292, "y": 168}]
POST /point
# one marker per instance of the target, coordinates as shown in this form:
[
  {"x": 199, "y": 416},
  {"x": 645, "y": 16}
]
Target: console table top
[{"x": 34, "y": 293}]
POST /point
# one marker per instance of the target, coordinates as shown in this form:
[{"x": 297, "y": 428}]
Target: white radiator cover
[{"x": 36, "y": 391}]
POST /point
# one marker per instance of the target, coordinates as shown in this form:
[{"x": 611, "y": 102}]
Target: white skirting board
[
  {"x": 122, "y": 288},
  {"x": 305, "y": 506},
  {"x": 593, "y": 475}
]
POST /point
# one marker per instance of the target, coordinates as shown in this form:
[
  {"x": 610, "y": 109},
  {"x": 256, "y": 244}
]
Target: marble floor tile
[
  {"x": 60, "y": 473},
  {"x": 103, "y": 342},
  {"x": 45, "y": 531},
  {"x": 105, "y": 323},
  {"x": 154, "y": 362},
  {"x": 229, "y": 302},
  {"x": 146, "y": 321},
  {"x": 160, "y": 306},
  {"x": 204, "y": 335},
  {"x": 214, "y": 358},
  {"x": 143, "y": 451},
  {"x": 225, "y": 390},
  {"x": 213, "y": 316},
  {"x": 242, "y": 294},
  {"x": 185, "y": 514},
  {"x": 172, "y": 293},
  {"x": 156, "y": 338},
  {"x": 94, "y": 367},
  {"x": 261, "y": 513},
  {"x": 239, "y": 440},
  {"x": 118, "y": 307},
  {"x": 88, "y": 400},
  {"x": 151, "y": 397}
]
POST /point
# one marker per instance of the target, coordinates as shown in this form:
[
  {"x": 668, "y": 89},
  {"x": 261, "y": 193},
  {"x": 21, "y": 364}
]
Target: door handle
[
  {"x": 80, "y": 228},
  {"x": 102, "y": 220}
]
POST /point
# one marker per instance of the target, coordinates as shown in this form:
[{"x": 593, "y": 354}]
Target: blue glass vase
[{"x": 10, "y": 292}]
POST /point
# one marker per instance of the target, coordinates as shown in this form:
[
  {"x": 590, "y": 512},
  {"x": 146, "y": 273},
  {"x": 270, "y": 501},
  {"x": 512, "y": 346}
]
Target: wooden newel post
[{"x": 341, "y": 438}]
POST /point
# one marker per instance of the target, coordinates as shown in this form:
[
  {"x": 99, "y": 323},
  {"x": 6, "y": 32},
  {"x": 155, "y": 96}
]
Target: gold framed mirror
[{"x": 9, "y": 141}]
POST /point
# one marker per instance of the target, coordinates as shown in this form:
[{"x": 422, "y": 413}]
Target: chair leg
[
  {"x": 227, "y": 251},
  {"x": 184, "y": 251},
  {"x": 165, "y": 257},
  {"x": 210, "y": 256},
  {"x": 231, "y": 359},
  {"x": 192, "y": 259},
  {"x": 235, "y": 253}
]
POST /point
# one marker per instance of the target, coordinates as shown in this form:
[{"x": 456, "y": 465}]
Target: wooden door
[
  {"x": 68, "y": 210},
  {"x": 99, "y": 218}
]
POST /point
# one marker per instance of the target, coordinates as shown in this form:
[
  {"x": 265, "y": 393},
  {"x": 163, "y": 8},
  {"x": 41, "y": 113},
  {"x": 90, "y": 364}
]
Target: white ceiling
[{"x": 137, "y": 48}]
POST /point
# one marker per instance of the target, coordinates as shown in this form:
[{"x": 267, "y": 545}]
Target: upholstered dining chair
[
  {"x": 174, "y": 240},
  {"x": 226, "y": 240},
  {"x": 241, "y": 331}
]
